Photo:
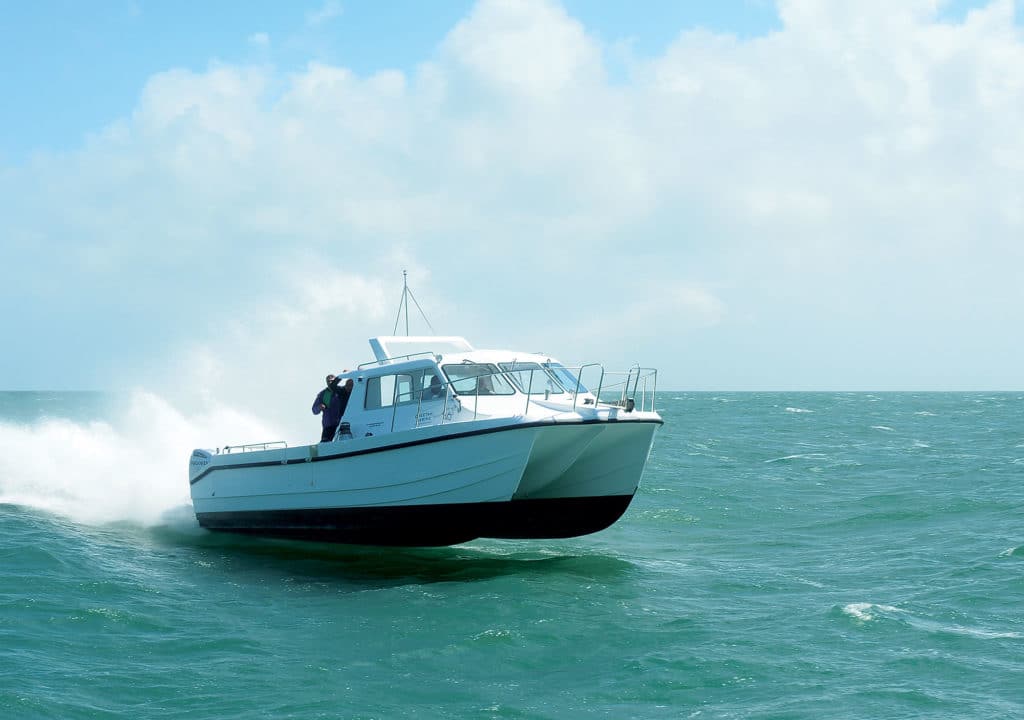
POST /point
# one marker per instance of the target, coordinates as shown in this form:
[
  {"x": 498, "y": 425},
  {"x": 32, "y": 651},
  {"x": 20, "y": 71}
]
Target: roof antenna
[{"x": 406, "y": 294}]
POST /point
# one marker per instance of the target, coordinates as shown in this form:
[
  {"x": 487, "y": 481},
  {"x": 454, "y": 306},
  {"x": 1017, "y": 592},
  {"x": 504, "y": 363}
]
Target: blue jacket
[{"x": 335, "y": 397}]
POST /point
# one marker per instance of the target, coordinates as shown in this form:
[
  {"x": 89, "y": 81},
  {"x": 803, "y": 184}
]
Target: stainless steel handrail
[
  {"x": 386, "y": 360},
  {"x": 579, "y": 382},
  {"x": 529, "y": 390},
  {"x": 252, "y": 447}
]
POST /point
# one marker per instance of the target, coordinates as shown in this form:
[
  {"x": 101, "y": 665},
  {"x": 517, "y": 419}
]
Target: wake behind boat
[{"x": 440, "y": 444}]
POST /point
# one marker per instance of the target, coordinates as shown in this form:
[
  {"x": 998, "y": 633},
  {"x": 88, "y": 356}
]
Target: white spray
[{"x": 134, "y": 469}]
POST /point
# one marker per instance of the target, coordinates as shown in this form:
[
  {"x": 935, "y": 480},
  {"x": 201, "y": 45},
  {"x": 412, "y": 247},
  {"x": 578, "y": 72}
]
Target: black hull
[{"x": 429, "y": 525}]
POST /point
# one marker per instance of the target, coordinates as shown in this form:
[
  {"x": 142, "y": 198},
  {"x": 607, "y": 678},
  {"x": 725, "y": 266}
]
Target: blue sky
[
  {"x": 745, "y": 195},
  {"x": 73, "y": 67}
]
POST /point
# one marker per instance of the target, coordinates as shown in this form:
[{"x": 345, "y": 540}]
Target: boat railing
[
  {"x": 252, "y": 447},
  {"x": 636, "y": 388},
  {"x": 579, "y": 381}
]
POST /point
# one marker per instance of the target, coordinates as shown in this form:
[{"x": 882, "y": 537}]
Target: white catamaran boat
[{"x": 442, "y": 443}]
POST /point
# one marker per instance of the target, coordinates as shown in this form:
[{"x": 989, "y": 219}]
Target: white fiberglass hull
[{"x": 431, "y": 486}]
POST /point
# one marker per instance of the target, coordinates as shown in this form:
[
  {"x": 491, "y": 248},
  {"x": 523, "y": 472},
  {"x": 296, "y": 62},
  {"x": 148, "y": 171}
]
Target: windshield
[
  {"x": 566, "y": 377},
  {"x": 477, "y": 379},
  {"x": 532, "y": 378}
]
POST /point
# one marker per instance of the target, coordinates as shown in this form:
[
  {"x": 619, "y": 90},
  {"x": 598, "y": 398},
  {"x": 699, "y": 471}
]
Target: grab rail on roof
[{"x": 385, "y": 361}]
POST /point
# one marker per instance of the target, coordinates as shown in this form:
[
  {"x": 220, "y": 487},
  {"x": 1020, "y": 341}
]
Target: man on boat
[{"x": 331, "y": 403}]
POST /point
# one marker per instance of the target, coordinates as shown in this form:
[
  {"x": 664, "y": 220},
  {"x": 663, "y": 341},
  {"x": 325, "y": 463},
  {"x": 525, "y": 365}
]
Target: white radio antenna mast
[{"x": 404, "y": 302}]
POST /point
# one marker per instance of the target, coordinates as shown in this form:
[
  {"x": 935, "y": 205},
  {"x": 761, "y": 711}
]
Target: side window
[
  {"x": 372, "y": 401},
  {"x": 477, "y": 379},
  {"x": 410, "y": 387},
  {"x": 404, "y": 388},
  {"x": 385, "y": 391},
  {"x": 380, "y": 392}
]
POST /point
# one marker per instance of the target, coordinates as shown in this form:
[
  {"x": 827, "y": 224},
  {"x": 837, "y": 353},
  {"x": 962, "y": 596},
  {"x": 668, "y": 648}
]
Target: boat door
[{"x": 403, "y": 400}]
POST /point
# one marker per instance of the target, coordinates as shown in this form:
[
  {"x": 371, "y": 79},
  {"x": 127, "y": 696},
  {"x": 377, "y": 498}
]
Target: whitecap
[
  {"x": 866, "y": 612},
  {"x": 860, "y": 611},
  {"x": 799, "y": 456},
  {"x": 798, "y": 410},
  {"x": 925, "y": 413},
  {"x": 884, "y": 428}
]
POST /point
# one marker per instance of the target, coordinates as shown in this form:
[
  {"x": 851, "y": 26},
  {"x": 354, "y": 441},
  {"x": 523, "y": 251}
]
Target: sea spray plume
[
  {"x": 133, "y": 468},
  {"x": 269, "y": 358}
]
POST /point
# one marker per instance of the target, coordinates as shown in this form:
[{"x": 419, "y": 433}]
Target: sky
[{"x": 215, "y": 200}]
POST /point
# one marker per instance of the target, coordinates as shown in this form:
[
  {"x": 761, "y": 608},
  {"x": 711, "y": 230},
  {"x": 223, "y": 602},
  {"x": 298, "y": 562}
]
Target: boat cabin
[{"x": 422, "y": 381}]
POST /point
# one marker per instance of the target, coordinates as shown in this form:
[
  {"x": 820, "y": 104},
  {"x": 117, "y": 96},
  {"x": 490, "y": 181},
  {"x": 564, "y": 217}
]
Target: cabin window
[
  {"x": 477, "y": 379},
  {"x": 532, "y": 378},
  {"x": 408, "y": 387},
  {"x": 387, "y": 390},
  {"x": 380, "y": 392},
  {"x": 566, "y": 377}
]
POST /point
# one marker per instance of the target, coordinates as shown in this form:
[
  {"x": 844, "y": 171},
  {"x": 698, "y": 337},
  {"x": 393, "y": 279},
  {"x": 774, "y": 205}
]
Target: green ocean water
[{"x": 789, "y": 555}]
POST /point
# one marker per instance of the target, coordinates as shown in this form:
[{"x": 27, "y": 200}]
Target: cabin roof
[{"x": 391, "y": 347}]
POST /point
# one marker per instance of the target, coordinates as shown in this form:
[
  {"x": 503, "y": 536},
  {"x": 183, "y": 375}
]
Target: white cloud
[
  {"x": 527, "y": 47},
  {"x": 859, "y": 147}
]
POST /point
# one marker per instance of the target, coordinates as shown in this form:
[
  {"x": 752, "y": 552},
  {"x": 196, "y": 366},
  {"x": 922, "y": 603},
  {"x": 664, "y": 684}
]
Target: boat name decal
[{"x": 199, "y": 460}]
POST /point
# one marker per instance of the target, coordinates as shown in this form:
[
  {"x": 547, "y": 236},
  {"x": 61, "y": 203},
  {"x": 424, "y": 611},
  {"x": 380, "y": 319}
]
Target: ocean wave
[
  {"x": 799, "y": 456},
  {"x": 883, "y": 428},
  {"x": 798, "y": 410},
  {"x": 980, "y": 633},
  {"x": 973, "y": 632},
  {"x": 866, "y": 612}
]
